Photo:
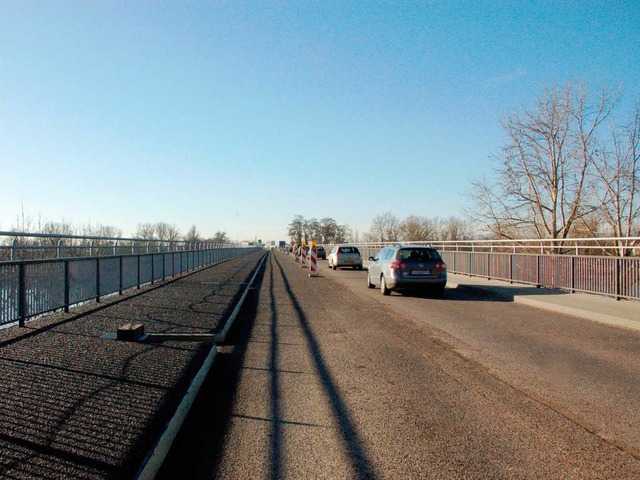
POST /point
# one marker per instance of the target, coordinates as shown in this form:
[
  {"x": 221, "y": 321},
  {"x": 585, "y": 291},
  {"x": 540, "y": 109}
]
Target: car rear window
[
  {"x": 348, "y": 250},
  {"x": 418, "y": 254}
]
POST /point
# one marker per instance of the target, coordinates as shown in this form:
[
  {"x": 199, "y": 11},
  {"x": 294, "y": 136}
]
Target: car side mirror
[{"x": 373, "y": 258}]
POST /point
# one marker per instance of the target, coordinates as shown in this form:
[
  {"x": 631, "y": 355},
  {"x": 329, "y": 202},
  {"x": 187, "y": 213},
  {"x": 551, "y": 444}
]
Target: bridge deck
[
  {"x": 316, "y": 383},
  {"x": 312, "y": 382}
]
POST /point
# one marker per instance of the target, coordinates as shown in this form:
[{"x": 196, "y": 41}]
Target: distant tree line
[
  {"x": 45, "y": 246},
  {"x": 326, "y": 230},
  {"x": 167, "y": 232},
  {"x": 387, "y": 227}
]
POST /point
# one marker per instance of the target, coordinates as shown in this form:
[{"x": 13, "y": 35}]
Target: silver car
[
  {"x": 407, "y": 267},
  {"x": 345, "y": 256}
]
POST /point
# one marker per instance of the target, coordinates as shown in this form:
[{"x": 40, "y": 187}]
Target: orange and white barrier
[
  {"x": 303, "y": 257},
  {"x": 313, "y": 261}
]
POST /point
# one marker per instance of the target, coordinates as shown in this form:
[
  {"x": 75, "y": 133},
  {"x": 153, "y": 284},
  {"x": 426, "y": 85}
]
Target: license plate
[
  {"x": 420, "y": 272},
  {"x": 348, "y": 262}
]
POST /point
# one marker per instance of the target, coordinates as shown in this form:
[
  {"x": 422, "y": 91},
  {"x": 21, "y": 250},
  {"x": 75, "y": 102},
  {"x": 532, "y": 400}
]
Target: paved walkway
[{"x": 619, "y": 313}]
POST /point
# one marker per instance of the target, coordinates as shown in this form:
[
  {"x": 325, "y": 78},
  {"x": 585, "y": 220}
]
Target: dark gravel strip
[{"x": 73, "y": 405}]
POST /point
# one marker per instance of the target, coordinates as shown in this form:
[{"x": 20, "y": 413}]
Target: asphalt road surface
[{"x": 324, "y": 378}]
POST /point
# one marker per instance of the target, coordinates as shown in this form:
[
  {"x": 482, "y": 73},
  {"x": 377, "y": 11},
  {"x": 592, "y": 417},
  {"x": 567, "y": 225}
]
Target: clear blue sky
[{"x": 237, "y": 115}]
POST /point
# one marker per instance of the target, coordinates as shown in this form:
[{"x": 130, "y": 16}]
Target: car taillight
[
  {"x": 398, "y": 266},
  {"x": 440, "y": 266}
]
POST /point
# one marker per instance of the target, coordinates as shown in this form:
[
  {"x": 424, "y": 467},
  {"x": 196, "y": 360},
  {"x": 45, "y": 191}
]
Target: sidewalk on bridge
[{"x": 598, "y": 308}]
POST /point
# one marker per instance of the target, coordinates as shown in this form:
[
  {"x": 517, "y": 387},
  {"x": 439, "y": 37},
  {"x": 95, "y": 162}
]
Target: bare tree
[
  {"x": 312, "y": 230},
  {"x": 541, "y": 185},
  {"x": 166, "y": 232},
  {"x": 618, "y": 174},
  {"x": 456, "y": 229},
  {"x": 328, "y": 230},
  {"x": 296, "y": 229},
  {"x": 415, "y": 229},
  {"x": 146, "y": 231},
  {"x": 341, "y": 234},
  {"x": 385, "y": 228},
  {"x": 220, "y": 238},
  {"x": 99, "y": 246},
  {"x": 192, "y": 235}
]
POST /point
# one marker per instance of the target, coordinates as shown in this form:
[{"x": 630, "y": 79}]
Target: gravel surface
[
  {"x": 318, "y": 382},
  {"x": 73, "y": 405}
]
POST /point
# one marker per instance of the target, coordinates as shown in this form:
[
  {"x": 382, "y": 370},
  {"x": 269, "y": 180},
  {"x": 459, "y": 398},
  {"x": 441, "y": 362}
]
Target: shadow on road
[
  {"x": 362, "y": 466},
  {"x": 197, "y": 449}
]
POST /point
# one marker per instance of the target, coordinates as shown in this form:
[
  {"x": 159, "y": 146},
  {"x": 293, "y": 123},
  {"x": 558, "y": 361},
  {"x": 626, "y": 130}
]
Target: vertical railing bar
[
  {"x": 98, "y": 279},
  {"x": 22, "y": 294},
  {"x": 618, "y": 261},
  {"x": 66, "y": 286},
  {"x": 120, "y": 274}
]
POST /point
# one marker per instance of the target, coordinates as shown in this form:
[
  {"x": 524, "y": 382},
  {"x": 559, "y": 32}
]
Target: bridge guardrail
[
  {"x": 613, "y": 276},
  {"x": 34, "y": 287},
  {"x": 618, "y": 277}
]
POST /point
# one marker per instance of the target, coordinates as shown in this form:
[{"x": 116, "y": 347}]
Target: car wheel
[
  {"x": 334, "y": 267},
  {"x": 439, "y": 292},
  {"x": 359, "y": 267},
  {"x": 369, "y": 284},
  {"x": 383, "y": 287}
]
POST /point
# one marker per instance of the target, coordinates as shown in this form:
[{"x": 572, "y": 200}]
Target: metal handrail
[
  {"x": 31, "y": 288},
  {"x": 605, "y": 244},
  {"x": 65, "y": 243}
]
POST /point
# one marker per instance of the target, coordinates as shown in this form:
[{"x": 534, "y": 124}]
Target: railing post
[
  {"x": 14, "y": 256},
  {"x": 22, "y": 294},
  {"x": 153, "y": 270},
  {"x": 121, "y": 263},
  {"x": 97, "y": 279},
  {"x": 91, "y": 249},
  {"x": 164, "y": 268},
  {"x": 138, "y": 279},
  {"x": 489, "y": 266},
  {"x": 510, "y": 268},
  {"x": 617, "y": 277},
  {"x": 66, "y": 286},
  {"x": 59, "y": 249},
  {"x": 539, "y": 259},
  {"x": 573, "y": 274}
]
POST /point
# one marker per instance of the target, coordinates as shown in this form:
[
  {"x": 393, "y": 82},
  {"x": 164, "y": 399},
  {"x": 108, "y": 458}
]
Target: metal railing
[
  {"x": 31, "y": 288},
  {"x": 528, "y": 261},
  {"x": 613, "y": 246},
  {"x": 25, "y": 246},
  {"x": 617, "y": 277}
]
